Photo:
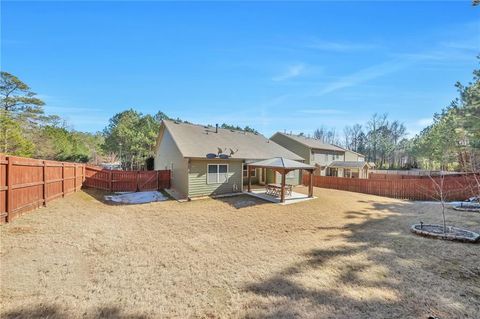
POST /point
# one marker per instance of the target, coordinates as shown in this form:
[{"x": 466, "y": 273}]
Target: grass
[{"x": 342, "y": 255}]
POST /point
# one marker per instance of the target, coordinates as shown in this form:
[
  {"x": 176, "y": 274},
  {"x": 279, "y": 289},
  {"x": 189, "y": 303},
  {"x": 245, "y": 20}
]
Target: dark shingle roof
[
  {"x": 312, "y": 142},
  {"x": 197, "y": 141},
  {"x": 348, "y": 164},
  {"x": 280, "y": 162}
]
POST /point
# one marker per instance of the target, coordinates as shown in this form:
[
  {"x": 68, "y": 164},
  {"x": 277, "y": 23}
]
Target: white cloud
[
  {"x": 322, "y": 111},
  {"x": 425, "y": 122},
  {"x": 415, "y": 127},
  {"x": 364, "y": 75},
  {"x": 339, "y": 46},
  {"x": 293, "y": 71}
]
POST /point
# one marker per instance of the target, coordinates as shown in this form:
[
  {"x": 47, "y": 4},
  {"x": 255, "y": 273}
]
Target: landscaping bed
[
  {"x": 452, "y": 233},
  {"x": 468, "y": 207}
]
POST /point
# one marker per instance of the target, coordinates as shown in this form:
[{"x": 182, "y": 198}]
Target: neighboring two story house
[{"x": 330, "y": 160}]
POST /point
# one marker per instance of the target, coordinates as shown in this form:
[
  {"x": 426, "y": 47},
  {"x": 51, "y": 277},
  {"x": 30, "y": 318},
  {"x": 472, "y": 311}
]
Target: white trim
[
  {"x": 218, "y": 173},
  {"x": 246, "y": 170},
  {"x": 241, "y": 177}
]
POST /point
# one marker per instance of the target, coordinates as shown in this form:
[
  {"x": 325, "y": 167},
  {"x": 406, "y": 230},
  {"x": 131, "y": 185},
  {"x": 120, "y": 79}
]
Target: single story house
[
  {"x": 330, "y": 160},
  {"x": 211, "y": 161}
]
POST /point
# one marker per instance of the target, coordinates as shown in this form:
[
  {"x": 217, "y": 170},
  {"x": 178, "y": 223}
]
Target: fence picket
[
  {"x": 26, "y": 184},
  {"x": 457, "y": 187},
  {"x": 126, "y": 181}
]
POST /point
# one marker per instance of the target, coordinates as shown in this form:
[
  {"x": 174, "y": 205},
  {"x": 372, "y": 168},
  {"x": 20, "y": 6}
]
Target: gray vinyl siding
[
  {"x": 326, "y": 157},
  {"x": 197, "y": 178},
  {"x": 168, "y": 156},
  {"x": 255, "y": 180},
  {"x": 293, "y": 146},
  {"x": 351, "y": 156}
]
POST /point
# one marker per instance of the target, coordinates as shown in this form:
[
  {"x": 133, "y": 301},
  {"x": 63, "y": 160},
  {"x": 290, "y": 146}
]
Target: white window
[
  {"x": 217, "y": 173},
  {"x": 253, "y": 172}
]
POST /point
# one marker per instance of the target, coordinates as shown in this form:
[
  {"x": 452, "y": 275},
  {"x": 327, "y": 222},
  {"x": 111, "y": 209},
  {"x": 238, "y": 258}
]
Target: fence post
[
  {"x": 138, "y": 181},
  {"x": 63, "y": 179},
  {"x": 169, "y": 179},
  {"x": 45, "y": 195},
  {"x": 75, "y": 178},
  {"x": 9, "y": 187},
  {"x": 110, "y": 181},
  {"x": 158, "y": 180}
]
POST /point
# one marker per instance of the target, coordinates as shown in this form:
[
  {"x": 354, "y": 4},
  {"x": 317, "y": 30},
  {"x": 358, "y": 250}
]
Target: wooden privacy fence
[
  {"x": 26, "y": 184},
  {"x": 394, "y": 176},
  {"x": 406, "y": 176},
  {"x": 126, "y": 181},
  {"x": 457, "y": 187}
]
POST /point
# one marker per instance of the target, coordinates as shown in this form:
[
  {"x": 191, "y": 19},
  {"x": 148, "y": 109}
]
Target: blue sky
[{"x": 270, "y": 65}]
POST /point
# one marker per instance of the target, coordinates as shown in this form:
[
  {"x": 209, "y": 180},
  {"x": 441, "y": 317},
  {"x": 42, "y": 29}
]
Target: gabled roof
[
  {"x": 197, "y": 141},
  {"x": 311, "y": 142},
  {"x": 347, "y": 150},
  {"x": 348, "y": 164},
  {"x": 280, "y": 162}
]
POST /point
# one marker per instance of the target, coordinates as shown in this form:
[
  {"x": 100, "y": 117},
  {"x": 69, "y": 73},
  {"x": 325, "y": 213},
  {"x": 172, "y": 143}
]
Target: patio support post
[
  {"x": 249, "y": 175},
  {"x": 310, "y": 184},
  {"x": 282, "y": 192}
]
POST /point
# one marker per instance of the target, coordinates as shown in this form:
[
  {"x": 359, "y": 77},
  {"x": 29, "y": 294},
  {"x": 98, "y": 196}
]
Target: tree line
[
  {"x": 381, "y": 140},
  {"x": 25, "y": 130},
  {"x": 452, "y": 142}
]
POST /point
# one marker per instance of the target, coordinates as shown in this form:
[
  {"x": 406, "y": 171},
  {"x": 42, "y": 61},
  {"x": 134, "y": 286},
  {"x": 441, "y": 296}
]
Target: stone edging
[
  {"x": 467, "y": 209},
  {"x": 449, "y": 236}
]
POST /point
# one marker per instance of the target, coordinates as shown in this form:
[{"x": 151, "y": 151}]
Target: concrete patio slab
[{"x": 292, "y": 199}]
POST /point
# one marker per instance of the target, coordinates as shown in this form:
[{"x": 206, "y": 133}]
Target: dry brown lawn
[{"x": 342, "y": 255}]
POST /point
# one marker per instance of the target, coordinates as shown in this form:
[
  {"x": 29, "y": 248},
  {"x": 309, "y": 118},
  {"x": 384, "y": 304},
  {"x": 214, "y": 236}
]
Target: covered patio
[
  {"x": 279, "y": 193},
  {"x": 349, "y": 169}
]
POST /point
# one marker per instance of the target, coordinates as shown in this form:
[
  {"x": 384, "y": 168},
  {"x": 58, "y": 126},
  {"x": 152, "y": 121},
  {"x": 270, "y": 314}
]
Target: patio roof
[
  {"x": 281, "y": 163},
  {"x": 348, "y": 164}
]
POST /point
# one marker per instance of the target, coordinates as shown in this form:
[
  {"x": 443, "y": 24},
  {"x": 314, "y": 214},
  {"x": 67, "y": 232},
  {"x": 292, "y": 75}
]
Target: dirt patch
[
  {"x": 340, "y": 255},
  {"x": 21, "y": 230}
]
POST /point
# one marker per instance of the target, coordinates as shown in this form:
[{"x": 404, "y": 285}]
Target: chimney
[{"x": 216, "y": 128}]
